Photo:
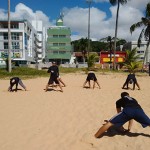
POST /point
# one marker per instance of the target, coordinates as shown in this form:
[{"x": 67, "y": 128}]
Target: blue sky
[
  {"x": 52, "y": 7},
  {"x": 76, "y": 15}
]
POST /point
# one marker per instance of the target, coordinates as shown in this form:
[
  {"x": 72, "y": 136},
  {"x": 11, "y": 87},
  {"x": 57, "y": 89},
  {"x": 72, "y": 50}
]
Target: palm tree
[
  {"x": 91, "y": 59},
  {"x": 145, "y": 23},
  {"x": 118, "y": 2},
  {"x": 132, "y": 60}
]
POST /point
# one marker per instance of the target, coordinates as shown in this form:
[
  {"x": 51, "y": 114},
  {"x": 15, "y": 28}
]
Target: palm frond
[
  {"x": 136, "y": 25},
  {"x": 114, "y": 2},
  {"x": 147, "y": 33},
  {"x": 140, "y": 37},
  {"x": 145, "y": 21}
]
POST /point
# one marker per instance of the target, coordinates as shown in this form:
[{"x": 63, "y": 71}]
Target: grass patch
[
  {"x": 28, "y": 73},
  {"x": 23, "y": 72}
]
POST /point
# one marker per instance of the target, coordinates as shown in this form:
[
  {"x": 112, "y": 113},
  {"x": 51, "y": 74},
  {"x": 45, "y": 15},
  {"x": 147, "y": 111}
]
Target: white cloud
[
  {"x": 24, "y": 12},
  {"x": 100, "y": 25}
]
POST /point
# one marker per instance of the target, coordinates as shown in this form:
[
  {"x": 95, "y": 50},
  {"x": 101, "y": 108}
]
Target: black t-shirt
[
  {"x": 54, "y": 71},
  {"x": 127, "y": 101},
  {"x": 131, "y": 76},
  {"x": 14, "y": 80}
]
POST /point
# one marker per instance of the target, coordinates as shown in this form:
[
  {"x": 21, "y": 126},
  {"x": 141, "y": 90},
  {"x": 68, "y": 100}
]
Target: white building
[
  {"x": 40, "y": 39},
  {"x": 25, "y": 42},
  {"x": 140, "y": 50}
]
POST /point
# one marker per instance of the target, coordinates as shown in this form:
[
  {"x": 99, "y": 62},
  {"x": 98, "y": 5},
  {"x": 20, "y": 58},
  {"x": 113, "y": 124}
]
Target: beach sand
[{"x": 52, "y": 120}]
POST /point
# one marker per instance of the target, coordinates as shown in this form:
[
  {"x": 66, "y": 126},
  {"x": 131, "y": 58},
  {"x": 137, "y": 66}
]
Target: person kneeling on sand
[
  {"x": 131, "y": 79},
  {"x": 16, "y": 81},
  {"x": 131, "y": 110},
  {"x": 91, "y": 76}
]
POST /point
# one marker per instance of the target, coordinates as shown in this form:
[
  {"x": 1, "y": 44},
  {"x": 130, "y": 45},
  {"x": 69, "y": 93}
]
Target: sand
[{"x": 52, "y": 120}]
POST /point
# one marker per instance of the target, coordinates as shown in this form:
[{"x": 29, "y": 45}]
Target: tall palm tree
[
  {"x": 118, "y": 2},
  {"x": 145, "y": 23}
]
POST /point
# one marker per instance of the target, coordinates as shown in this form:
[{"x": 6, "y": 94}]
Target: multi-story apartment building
[
  {"x": 25, "y": 43},
  {"x": 59, "y": 47},
  {"x": 140, "y": 50},
  {"x": 40, "y": 40}
]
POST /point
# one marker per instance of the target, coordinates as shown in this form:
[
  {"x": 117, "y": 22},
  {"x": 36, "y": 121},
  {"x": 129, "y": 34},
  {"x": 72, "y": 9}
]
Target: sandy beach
[{"x": 52, "y": 120}]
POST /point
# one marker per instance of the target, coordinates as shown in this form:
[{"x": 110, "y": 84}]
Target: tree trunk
[
  {"x": 9, "y": 39},
  {"x": 115, "y": 40}
]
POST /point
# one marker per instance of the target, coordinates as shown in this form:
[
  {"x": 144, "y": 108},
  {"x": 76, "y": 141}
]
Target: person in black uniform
[
  {"x": 16, "y": 81},
  {"x": 131, "y": 110},
  {"x": 54, "y": 76},
  {"x": 131, "y": 79},
  {"x": 91, "y": 76}
]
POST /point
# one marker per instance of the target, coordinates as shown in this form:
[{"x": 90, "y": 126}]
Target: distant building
[
  {"x": 40, "y": 40},
  {"x": 58, "y": 47},
  {"x": 24, "y": 42},
  {"x": 105, "y": 57},
  {"x": 140, "y": 50}
]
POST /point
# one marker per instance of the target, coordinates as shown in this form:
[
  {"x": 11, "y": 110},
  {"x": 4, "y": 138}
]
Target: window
[
  {"x": 5, "y": 45},
  {"x": 62, "y": 52},
  {"x": 15, "y": 45},
  {"x": 55, "y": 44},
  {"x": 15, "y": 36},
  {"x": 62, "y": 44},
  {"x": 55, "y": 52},
  {"x": 140, "y": 52},
  {"x": 14, "y": 26},
  {"x": 55, "y": 36},
  {"x": 62, "y": 36},
  {"x": 5, "y": 36},
  {"x": 142, "y": 45}
]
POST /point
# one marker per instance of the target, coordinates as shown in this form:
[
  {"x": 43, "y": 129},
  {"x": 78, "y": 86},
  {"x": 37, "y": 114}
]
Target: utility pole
[
  {"x": 9, "y": 39},
  {"x": 89, "y": 3}
]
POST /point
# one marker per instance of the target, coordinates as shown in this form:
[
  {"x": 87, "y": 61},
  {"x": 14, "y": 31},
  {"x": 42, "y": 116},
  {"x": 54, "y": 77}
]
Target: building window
[
  {"x": 15, "y": 45},
  {"x": 140, "y": 52},
  {"x": 55, "y": 52},
  {"x": 55, "y": 36},
  {"x": 142, "y": 45},
  {"x": 62, "y": 36},
  {"x": 5, "y": 26},
  {"x": 55, "y": 44},
  {"x": 5, "y": 45},
  {"x": 14, "y": 26},
  {"x": 15, "y": 36},
  {"x": 5, "y": 35},
  {"x": 62, "y": 44},
  {"x": 62, "y": 52}
]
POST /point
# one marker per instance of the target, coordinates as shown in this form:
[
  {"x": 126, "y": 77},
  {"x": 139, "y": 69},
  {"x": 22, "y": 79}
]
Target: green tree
[
  {"x": 91, "y": 59},
  {"x": 132, "y": 60},
  {"x": 145, "y": 23},
  {"x": 118, "y": 2}
]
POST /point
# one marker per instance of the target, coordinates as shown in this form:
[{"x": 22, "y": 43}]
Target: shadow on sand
[{"x": 114, "y": 131}]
